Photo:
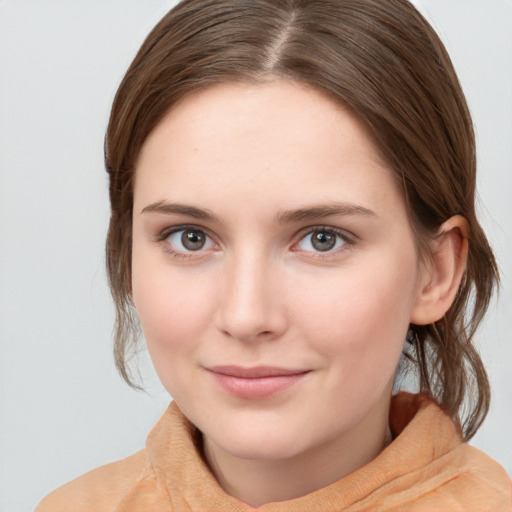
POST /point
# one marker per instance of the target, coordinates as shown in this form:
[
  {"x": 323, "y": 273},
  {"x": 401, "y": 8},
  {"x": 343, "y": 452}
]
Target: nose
[{"x": 252, "y": 306}]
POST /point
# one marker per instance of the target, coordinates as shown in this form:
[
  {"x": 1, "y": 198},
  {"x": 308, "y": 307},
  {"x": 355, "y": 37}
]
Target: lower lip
[{"x": 257, "y": 388}]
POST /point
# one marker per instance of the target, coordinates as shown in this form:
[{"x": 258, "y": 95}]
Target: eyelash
[
  {"x": 346, "y": 238},
  {"x": 167, "y": 232}
]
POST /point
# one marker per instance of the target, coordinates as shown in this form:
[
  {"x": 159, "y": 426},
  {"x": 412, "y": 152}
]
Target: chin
[
  {"x": 264, "y": 440},
  {"x": 262, "y": 448}
]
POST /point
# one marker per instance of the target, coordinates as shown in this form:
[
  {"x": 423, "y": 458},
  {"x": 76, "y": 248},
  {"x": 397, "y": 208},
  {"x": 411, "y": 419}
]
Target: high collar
[{"x": 426, "y": 467}]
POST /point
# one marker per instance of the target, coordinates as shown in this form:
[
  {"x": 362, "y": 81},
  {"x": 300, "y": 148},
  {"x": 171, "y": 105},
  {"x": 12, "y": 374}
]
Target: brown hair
[{"x": 384, "y": 61}]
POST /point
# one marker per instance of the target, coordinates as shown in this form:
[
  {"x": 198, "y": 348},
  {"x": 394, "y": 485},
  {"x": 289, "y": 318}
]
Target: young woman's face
[{"x": 274, "y": 269}]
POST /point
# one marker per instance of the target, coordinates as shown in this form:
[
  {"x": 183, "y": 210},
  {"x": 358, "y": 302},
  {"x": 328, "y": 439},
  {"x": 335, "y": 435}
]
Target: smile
[{"x": 257, "y": 382}]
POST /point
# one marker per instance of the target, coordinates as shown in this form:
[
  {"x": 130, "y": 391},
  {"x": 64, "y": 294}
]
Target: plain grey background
[{"x": 64, "y": 410}]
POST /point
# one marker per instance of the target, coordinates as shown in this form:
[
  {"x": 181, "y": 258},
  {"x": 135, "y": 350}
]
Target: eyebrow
[
  {"x": 309, "y": 213},
  {"x": 181, "y": 209},
  {"x": 315, "y": 212}
]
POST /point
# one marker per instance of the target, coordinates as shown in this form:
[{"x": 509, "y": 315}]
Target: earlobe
[{"x": 442, "y": 277}]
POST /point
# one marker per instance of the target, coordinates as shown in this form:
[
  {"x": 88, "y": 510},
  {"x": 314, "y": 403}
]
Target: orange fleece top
[{"x": 426, "y": 468}]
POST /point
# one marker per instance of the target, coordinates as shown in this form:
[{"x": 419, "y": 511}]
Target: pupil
[
  {"x": 193, "y": 240},
  {"x": 323, "y": 241}
]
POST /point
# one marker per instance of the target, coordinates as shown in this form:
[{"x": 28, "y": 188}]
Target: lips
[{"x": 256, "y": 382}]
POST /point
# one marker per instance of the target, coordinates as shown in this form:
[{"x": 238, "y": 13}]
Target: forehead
[{"x": 278, "y": 138}]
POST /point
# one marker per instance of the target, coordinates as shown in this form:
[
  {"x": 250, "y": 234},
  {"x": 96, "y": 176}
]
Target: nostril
[{"x": 262, "y": 334}]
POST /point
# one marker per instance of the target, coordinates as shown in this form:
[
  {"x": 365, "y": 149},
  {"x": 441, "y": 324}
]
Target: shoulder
[
  {"x": 485, "y": 480},
  {"x": 437, "y": 470},
  {"x": 466, "y": 479},
  {"x": 100, "y": 489}
]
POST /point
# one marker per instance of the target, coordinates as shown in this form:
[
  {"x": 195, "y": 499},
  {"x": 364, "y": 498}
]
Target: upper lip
[{"x": 254, "y": 372}]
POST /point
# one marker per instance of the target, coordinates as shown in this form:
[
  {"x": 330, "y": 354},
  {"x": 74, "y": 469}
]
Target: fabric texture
[{"x": 426, "y": 468}]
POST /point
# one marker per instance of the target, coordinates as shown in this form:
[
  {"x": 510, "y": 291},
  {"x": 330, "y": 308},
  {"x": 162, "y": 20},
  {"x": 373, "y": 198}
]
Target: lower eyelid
[
  {"x": 332, "y": 255},
  {"x": 178, "y": 255}
]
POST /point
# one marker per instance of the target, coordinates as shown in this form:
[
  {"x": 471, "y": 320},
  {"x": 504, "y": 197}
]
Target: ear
[{"x": 441, "y": 277}]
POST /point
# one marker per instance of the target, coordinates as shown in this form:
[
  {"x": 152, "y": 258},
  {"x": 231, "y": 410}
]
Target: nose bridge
[{"x": 251, "y": 307}]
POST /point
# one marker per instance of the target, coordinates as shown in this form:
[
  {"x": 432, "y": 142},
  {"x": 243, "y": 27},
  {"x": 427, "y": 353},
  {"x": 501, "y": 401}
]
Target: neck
[{"x": 260, "y": 481}]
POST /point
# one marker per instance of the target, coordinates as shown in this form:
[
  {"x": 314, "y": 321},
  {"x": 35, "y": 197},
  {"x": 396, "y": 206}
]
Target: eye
[
  {"x": 322, "y": 240},
  {"x": 189, "y": 240}
]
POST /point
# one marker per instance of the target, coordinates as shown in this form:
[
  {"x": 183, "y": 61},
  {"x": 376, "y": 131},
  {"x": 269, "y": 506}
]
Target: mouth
[{"x": 255, "y": 382}]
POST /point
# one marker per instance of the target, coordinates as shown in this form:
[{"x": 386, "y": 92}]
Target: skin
[{"x": 260, "y": 293}]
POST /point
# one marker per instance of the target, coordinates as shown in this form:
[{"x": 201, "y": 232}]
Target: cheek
[
  {"x": 362, "y": 313},
  {"x": 174, "y": 313},
  {"x": 174, "y": 308}
]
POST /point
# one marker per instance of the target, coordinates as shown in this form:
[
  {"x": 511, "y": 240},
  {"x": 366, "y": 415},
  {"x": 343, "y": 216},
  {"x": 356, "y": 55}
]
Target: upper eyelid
[
  {"x": 165, "y": 232},
  {"x": 338, "y": 231},
  {"x": 306, "y": 229}
]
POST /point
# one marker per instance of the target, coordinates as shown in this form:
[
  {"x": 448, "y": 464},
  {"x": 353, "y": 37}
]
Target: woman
[{"x": 292, "y": 190}]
